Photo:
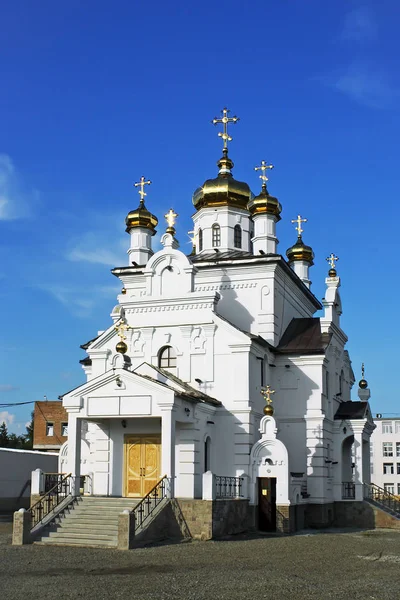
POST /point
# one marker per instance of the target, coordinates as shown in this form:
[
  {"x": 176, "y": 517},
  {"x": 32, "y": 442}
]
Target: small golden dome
[
  {"x": 224, "y": 190},
  {"x": 268, "y": 410},
  {"x": 141, "y": 217},
  {"x": 121, "y": 347},
  {"x": 265, "y": 203},
  {"x": 332, "y": 273},
  {"x": 363, "y": 384},
  {"x": 300, "y": 251}
]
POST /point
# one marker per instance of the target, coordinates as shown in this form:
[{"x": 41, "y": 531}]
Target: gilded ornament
[
  {"x": 267, "y": 393},
  {"x": 332, "y": 259},
  {"x": 170, "y": 217}
]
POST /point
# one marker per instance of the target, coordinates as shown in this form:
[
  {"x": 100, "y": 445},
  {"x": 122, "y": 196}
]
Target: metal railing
[
  {"x": 228, "y": 487},
  {"x": 348, "y": 490},
  {"x": 149, "y": 503},
  {"x": 52, "y": 498},
  {"x": 51, "y": 480},
  {"x": 382, "y": 497}
]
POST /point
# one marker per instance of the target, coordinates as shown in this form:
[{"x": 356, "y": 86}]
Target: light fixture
[
  {"x": 199, "y": 381},
  {"x": 210, "y": 422},
  {"x": 123, "y": 423},
  {"x": 118, "y": 381},
  {"x": 187, "y": 410}
]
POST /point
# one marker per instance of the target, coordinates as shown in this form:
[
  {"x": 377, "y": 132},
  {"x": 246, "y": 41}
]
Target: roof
[
  {"x": 304, "y": 336},
  {"x": 86, "y": 345},
  {"x": 352, "y": 410},
  {"x": 227, "y": 255}
]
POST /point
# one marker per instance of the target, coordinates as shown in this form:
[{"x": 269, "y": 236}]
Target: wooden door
[
  {"x": 142, "y": 464},
  {"x": 267, "y": 503}
]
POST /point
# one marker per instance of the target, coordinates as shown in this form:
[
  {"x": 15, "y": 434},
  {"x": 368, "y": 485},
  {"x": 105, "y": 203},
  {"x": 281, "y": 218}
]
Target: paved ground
[{"x": 352, "y": 565}]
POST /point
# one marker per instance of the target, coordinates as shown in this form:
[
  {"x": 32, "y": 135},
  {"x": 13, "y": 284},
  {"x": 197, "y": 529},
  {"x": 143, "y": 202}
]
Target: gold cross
[
  {"x": 141, "y": 192},
  {"x": 267, "y": 394},
  {"x": 225, "y": 120},
  {"x": 332, "y": 259},
  {"x": 170, "y": 217},
  {"x": 299, "y": 221},
  {"x": 121, "y": 328},
  {"x": 263, "y": 167},
  {"x": 362, "y": 371}
]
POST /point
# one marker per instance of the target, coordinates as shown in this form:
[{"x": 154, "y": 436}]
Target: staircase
[{"x": 90, "y": 521}]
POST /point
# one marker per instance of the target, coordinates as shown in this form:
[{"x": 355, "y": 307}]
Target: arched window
[
  {"x": 251, "y": 235},
  {"x": 341, "y": 380},
  {"x": 200, "y": 234},
  {"x": 167, "y": 358},
  {"x": 237, "y": 236},
  {"x": 216, "y": 235},
  {"x": 207, "y": 454}
]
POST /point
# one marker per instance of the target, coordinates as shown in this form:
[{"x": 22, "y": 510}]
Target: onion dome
[
  {"x": 300, "y": 251},
  {"x": 224, "y": 190},
  {"x": 141, "y": 217},
  {"x": 264, "y": 203}
]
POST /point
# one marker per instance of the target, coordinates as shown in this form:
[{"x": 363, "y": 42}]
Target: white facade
[
  {"x": 207, "y": 332},
  {"x": 385, "y": 455}
]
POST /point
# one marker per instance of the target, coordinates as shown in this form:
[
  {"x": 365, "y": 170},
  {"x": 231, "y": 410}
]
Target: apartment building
[
  {"x": 385, "y": 454},
  {"x": 50, "y": 425}
]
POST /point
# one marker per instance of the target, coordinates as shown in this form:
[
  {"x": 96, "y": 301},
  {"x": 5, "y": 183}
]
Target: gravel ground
[{"x": 350, "y": 565}]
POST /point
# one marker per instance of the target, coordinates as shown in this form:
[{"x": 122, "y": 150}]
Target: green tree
[
  {"x": 4, "y": 439},
  {"x": 28, "y": 437}
]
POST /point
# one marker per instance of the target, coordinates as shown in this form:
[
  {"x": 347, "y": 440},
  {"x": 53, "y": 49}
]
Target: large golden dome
[
  {"x": 300, "y": 251},
  {"x": 141, "y": 217},
  {"x": 224, "y": 190}
]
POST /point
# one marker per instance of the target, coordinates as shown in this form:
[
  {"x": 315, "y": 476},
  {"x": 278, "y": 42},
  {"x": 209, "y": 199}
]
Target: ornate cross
[
  {"x": 170, "y": 217},
  {"x": 141, "y": 184},
  {"x": 267, "y": 394},
  {"x": 121, "y": 328},
  {"x": 264, "y": 167},
  {"x": 332, "y": 259},
  {"x": 225, "y": 120},
  {"x": 299, "y": 221},
  {"x": 362, "y": 371}
]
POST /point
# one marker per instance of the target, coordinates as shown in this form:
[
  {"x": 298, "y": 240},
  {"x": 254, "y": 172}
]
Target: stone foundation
[
  {"x": 363, "y": 515},
  {"x": 210, "y": 519},
  {"x": 319, "y": 516}
]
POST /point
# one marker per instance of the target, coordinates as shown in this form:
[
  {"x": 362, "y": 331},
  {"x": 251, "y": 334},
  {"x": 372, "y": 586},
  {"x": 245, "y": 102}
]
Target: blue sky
[{"x": 96, "y": 94}]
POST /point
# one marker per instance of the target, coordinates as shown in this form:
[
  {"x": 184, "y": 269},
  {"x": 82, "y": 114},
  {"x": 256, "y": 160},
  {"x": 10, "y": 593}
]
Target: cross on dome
[
  {"x": 141, "y": 184},
  {"x": 332, "y": 259},
  {"x": 122, "y": 327},
  {"x": 267, "y": 394},
  {"x": 299, "y": 221},
  {"x": 170, "y": 217},
  {"x": 264, "y": 167},
  {"x": 225, "y": 120}
]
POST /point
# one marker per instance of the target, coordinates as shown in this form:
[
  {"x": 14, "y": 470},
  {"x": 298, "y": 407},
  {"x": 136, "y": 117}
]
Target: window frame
[
  {"x": 64, "y": 427},
  {"x": 200, "y": 239},
  {"x": 387, "y": 425},
  {"x": 237, "y": 237},
  {"x": 387, "y": 449},
  {"x": 389, "y": 485},
  {"x": 388, "y": 468},
  {"x": 49, "y": 425},
  {"x": 170, "y": 358},
  {"x": 216, "y": 235}
]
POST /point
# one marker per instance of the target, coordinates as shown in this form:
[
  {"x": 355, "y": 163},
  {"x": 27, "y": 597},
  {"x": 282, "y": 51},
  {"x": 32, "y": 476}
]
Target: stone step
[
  {"x": 93, "y": 516},
  {"x": 87, "y": 543},
  {"x": 86, "y": 528},
  {"x": 81, "y": 536}
]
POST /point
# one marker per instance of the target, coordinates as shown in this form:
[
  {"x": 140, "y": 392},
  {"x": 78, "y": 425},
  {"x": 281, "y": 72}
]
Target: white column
[
  {"x": 74, "y": 452},
  {"x": 358, "y": 466},
  {"x": 168, "y": 446}
]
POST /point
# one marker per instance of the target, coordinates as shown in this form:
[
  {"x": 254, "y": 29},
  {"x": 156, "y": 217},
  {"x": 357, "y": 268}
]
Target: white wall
[{"x": 16, "y": 467}]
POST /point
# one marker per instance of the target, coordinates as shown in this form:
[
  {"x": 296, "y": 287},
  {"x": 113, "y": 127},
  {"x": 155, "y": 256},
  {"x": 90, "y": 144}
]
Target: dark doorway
[{"x": 267, "y": 503}]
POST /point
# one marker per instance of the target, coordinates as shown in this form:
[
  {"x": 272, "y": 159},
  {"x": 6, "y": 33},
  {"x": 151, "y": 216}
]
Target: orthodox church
[{"x": 215, "y": 370}]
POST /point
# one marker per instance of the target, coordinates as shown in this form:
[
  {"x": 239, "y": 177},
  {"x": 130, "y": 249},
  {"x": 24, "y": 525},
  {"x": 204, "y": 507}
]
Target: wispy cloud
[
  {"x": 15, "y": 202},
  {"x": 359, "y": 25},
  {"x": 72, "y": 297},
  {"x": 7, "y": 418},
  {"x": 7, "y": 387},
  {"x": 366, "y": 85},
  {"x": 96, "y": 249}
]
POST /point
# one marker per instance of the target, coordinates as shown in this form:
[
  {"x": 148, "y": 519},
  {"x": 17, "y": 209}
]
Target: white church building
[{"x": 215, "y": 371}]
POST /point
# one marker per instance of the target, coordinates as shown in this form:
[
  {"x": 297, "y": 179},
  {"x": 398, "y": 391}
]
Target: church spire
[
  {"x": 265, "y": 210},
  {"x": 225, "y": 164},
  {"x": 141, "y": 225},
  {"x": 300, "y": 255}
]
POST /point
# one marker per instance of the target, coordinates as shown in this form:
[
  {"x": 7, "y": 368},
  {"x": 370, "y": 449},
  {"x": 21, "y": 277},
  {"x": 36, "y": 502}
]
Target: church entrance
[
  {"x": 142, "y": 455},
  {"x": 267, "y": 503}
]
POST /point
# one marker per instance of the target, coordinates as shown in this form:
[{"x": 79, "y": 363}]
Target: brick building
[{"x": 50, "y": 425}]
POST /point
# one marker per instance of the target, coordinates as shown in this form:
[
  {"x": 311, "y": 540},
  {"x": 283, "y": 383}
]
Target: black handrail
[
  {"x": 381, "y": 496},
  {"x": 228, "y": 487},
  {"x": 50, "y": 500},
  {"x": 149, "y": 503}
]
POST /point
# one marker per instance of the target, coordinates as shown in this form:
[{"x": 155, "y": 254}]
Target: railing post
[
  {"x": 22, "y": 523},
  {"x": 209, "y": 487},
  {"x": 126, "y": 530}
]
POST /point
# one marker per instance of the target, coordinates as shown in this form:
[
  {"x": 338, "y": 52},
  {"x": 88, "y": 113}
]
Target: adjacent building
[
  {"x": 50, "y": 425},
  {"x": 385, "y": 454}
]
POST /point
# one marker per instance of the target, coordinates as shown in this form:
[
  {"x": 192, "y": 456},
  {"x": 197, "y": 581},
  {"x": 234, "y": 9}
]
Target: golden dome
[
  {"x": 363, "y": 384},
  {"x": 265, "y": 203},
  {"x": 121, "y": 347},
  {"x": 300, "y": 251},
  {"x": 224, "y": 190},
  {"x": 141, "y": 217},
  {"x": 268, "y": 410}
]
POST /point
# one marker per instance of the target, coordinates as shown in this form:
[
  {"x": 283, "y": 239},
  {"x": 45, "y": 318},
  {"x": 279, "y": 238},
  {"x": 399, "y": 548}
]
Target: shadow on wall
[{"x": 230, "y": 307}]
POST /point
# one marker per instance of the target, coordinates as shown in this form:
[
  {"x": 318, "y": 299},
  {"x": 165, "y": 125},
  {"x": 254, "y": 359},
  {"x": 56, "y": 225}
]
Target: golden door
[{"x": 142, "y": 464}]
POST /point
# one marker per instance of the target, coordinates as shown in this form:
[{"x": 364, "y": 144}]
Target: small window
[
  {"x": 398, "y": 489},
  {"x": 398, "y": 468},
  {"x": 397, "y": 449},
  {"x": 372, "y": 469},
  {"x": 207, "y": 454},
  {"x": 388, "y": 469},
  {"x": 237, "y": 236},
  {"x": 397, "y": 427},
  {"x": 167, "y": 358},
  {"x": 200, "y": 238},
  {"x": 50, "y": 429},
  {"x": 387, "y": 427},
  {"x": 389, "y": 487},
  {"x": 387, "y": 449},
  {"x": 371, "y": 449},
  {"x": 216, "y": 235},
  {"x": 327, "y": 384},
  {"x": 64, "y": 429}
]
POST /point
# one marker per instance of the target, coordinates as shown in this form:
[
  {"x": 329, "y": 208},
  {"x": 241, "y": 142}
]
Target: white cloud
[
  {"x": 365, "y": 85},
  {"x": 73, "y": 297},
  {"x": 94, "y": 248},
  {"x": 7, "y": 387},
  {"x": 359, "y": 25},
  {"x": 7, "y": 418},
  {"x": 15, "y": 202}
]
